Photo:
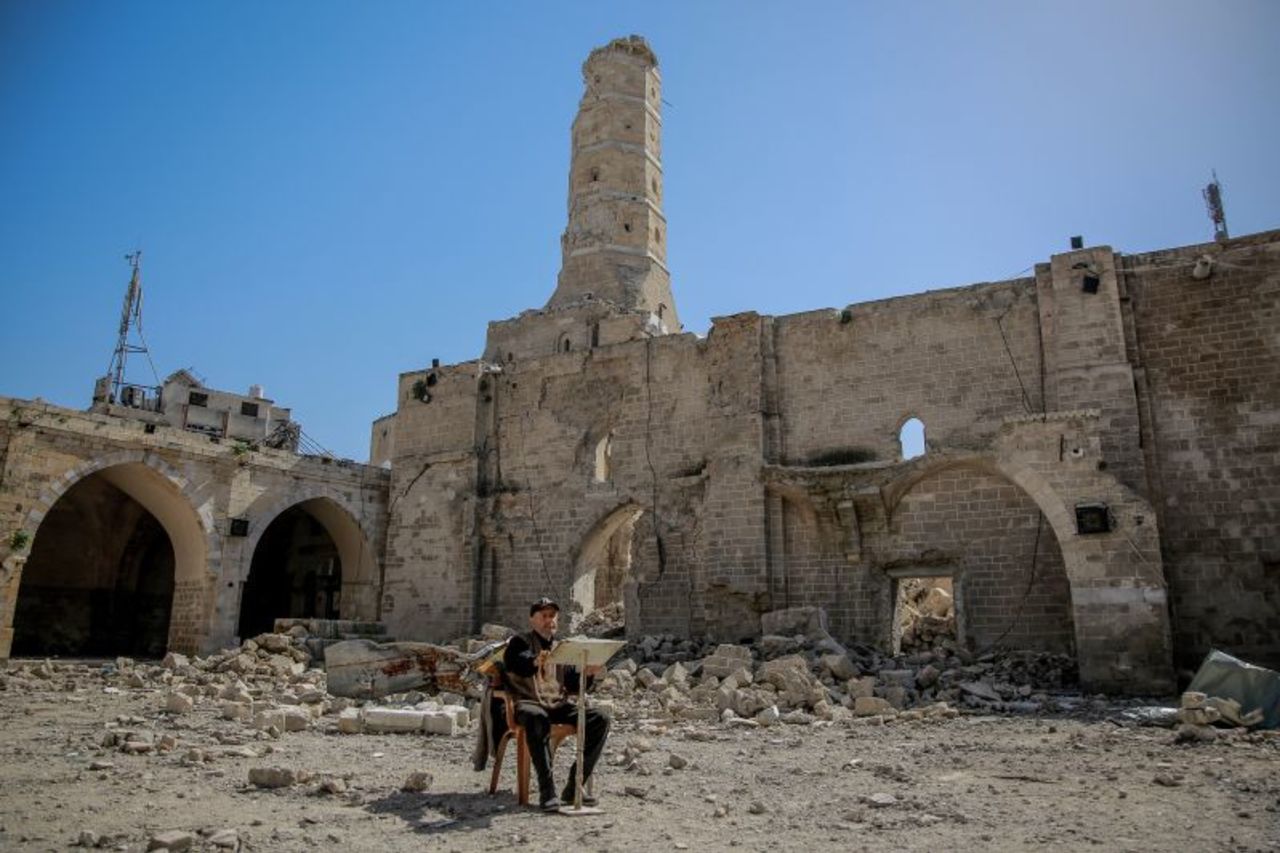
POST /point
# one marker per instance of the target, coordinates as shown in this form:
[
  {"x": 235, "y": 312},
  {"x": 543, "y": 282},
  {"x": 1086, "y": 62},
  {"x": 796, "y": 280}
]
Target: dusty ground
[{"x": 971, "y": 782}]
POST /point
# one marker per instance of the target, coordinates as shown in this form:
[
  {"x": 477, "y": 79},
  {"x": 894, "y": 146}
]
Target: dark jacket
[{"x": 530, "y": 678}]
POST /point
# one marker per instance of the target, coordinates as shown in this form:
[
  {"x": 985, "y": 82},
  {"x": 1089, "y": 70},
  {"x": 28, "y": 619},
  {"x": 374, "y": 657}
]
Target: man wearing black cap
[{"x": 542, "y": 692}]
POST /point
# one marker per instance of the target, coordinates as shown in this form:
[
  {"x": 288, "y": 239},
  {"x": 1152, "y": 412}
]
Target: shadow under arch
[
  {"x": 352, "y": 540},
  {"x": 170, "y": 498},
  {"x": 602, "y": 563}
]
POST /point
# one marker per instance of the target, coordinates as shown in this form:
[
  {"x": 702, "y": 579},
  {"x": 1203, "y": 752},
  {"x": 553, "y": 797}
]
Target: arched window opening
[
  {"x": 604, "y": 459},
  {"x": 911, "y": 439},
  {"x": 603, "y": 576}
]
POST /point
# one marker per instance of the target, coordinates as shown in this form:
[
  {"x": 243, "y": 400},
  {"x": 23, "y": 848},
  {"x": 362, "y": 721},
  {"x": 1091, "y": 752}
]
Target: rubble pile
[
  {"x": 797, "y": 672},
  {"x": 607, "y": 621},
  {"x": 926, "y": 615}
]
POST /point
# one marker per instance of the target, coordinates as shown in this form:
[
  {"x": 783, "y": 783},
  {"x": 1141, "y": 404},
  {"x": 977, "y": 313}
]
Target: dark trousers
[{"x": 537, "y": 722}]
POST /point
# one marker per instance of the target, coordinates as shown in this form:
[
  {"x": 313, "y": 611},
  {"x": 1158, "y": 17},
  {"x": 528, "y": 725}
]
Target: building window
[
  {"x": 249, "y": 410},
  {"x": 198, "y": 398},
  {"x": 604, "y": 459},
  {"x": 911, "y": 439}
]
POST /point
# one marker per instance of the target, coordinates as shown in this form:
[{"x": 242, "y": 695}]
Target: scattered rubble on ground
[{"x": 244, "y": 704}]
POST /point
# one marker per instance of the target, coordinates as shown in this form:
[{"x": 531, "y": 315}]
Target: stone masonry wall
[{"x": 1210, "y": 352}]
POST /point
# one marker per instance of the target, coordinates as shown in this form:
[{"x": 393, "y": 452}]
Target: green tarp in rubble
[{"x": 1252, "y": 686}]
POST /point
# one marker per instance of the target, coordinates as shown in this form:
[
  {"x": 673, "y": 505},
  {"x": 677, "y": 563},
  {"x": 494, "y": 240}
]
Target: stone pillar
[{"x": 615, "y": 245}]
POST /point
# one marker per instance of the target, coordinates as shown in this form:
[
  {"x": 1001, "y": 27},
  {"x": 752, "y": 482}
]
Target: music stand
[{"x": 582, "y": 652}]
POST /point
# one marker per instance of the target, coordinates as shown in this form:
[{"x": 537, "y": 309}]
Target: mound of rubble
[{"x": 796, "y": 672}]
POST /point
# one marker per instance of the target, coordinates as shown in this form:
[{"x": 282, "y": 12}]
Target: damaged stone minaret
[{"x": 615, "y": 245}]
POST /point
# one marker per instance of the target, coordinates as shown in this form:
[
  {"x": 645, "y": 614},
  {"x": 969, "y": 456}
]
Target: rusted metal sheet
[{"x": 363, "y": 669}]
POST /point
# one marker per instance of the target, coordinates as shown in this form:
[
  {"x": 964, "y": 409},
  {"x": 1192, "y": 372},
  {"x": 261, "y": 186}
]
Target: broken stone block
[
  {"x": 272, "y": 777},
  {"x": 896, "y": 695},
  {"x": 443, "y": 722},
  {"x": 791, "y": 676},
  {"x": 768, "y": 716},
  {"x": 726, "y": 659},
  {"x": 274, "y": 643},
  {"x": 227, "y": 839},
  {"x": 350, "y": 722},
  {"x": 981, "y": 690},
  {"x": 178, "y": 703},
  {"x": 1193, "y": 699},
  {"x": 1199, "y": 716},
  {"x": 870, "y": 706},
  {"x": 840, "y": 667},
  {"x": 237, "y": 711},
  {"x": 677, "y": 762},
  {"x": 269, "y": 718},
  {"x": 865, "y": 686},
  {"x": 394, "y": 720},
  {"x": 174, "y": 839},
  {"x": 173, "y": 660},
  {"x": 296, "y": 718},
  {"x": 646, "y": 678}
]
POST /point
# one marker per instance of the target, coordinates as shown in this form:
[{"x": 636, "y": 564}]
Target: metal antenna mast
[
  {"x": 1213, "y": 201},
  {"x": 130, "y": 317}
]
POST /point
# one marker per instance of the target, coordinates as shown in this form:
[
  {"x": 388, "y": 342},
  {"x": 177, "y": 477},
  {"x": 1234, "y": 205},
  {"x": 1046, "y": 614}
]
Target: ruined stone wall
[
  {"x": 849, "y": 379},
  {"x": 194, "y": 487},
  {"x": 1210, "y": 354},
  {"x": 987, "y": 534}
]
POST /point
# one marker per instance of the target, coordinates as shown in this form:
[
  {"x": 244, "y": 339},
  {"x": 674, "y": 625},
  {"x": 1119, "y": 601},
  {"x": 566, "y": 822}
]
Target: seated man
[{"x": 542, "y": 692}]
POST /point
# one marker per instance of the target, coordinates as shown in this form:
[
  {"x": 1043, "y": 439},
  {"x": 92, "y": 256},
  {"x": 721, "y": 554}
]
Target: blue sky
[{"x": 330, "y": 193}]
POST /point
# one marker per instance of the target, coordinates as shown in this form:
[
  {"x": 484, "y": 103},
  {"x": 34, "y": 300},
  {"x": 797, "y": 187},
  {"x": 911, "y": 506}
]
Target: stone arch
[
  {"x": 181, "y": 510},
  {"x": 967, "y": 528},
  {"x": 352, "y": 535},
  {"x": 1119, "y": 606},
  {"x": 601, "y": 562}
]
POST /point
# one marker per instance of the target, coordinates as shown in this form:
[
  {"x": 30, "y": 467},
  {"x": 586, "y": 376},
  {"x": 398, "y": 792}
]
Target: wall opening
[
  {"x": 99, "y": 581},
  {"x": 925, "y": 616},
  {"x": 604, "y": 459},
  {"x": 296, "y": 572},
  {"x": 911, "y": 439},
  {"x": 603, "y": 568}
]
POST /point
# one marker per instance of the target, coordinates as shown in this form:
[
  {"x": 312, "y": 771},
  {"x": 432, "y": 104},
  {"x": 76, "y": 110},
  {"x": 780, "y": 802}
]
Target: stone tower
[{"x": 615, "y": 245}]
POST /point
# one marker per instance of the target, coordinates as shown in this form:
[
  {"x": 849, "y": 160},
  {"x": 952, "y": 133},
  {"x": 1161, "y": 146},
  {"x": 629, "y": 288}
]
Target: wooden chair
[{"x": 559, "y": 731}]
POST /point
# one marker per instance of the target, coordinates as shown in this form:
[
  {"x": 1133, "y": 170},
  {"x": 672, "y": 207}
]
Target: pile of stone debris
[
  {"x": 798, "y": 673},
  {"x": 926, "y": 613}
]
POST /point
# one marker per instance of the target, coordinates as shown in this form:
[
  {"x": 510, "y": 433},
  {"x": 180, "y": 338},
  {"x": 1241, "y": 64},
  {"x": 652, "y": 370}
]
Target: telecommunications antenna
[
  {"x": 122, "y": 392},
  {"x": 1213, "y": 201}
]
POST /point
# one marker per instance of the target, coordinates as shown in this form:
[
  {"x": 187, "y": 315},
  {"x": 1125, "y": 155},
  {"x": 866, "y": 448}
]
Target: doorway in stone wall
[
  {"x": 99, "y": 581},
  {"x": 296, "y": 572},
  {"x": 601, "y": 574},
  {"x": 926, "y": 616}
]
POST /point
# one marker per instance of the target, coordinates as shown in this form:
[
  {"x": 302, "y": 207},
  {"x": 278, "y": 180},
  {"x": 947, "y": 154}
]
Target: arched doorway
[
  {"x": 104, "y": 563},
  {"x": 312, "y": 560},
  {"x": 296, "y": 571},
  {"x": 601, "y": 573}
]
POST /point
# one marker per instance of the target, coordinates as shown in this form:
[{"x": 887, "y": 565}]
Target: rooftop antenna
[
  {"x": 122, "y": 392},
  {"x": 1213, "y": 201}
]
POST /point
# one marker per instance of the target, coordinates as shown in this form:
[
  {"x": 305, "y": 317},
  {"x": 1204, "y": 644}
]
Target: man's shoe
[
  {"x": 550, "y": 804},
  {"x": 587, "y": 799}
]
